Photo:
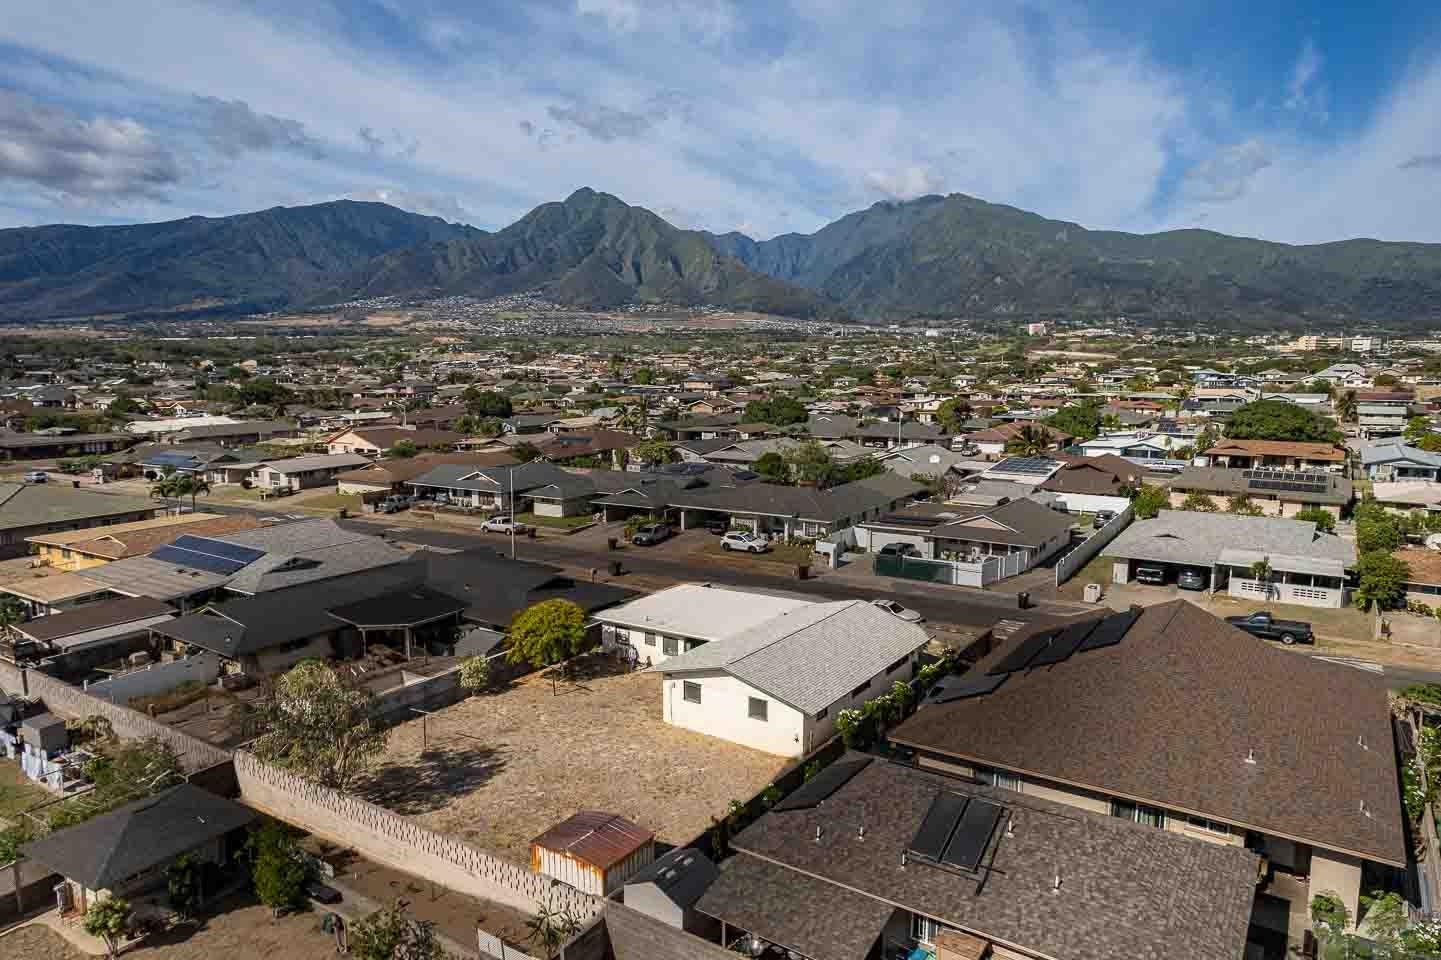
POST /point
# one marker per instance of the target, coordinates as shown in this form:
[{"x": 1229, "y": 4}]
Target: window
[
  {"x": 924, "y": 929},
  {"x": 650, "y": 639},
  {"x": 670, "y": 646},
  {"x": 1210, "y": 826},
  {"x": 1139, "y": 813},
  {"x": 756, "y": 709},
  {"x": 690, "y": 692}
]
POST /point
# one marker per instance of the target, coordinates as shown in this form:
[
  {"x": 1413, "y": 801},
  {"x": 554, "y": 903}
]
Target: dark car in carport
[{"x": 1192, "y": 579}]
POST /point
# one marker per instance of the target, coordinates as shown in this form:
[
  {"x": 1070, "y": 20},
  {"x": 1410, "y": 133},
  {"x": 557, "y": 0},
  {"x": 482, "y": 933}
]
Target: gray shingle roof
[
  {"x": 1392, "y": 451},
  {"x": 32, "y": 505},
  {"x": 1180, "y": 536},
  {"x": 809, "y": 657}
]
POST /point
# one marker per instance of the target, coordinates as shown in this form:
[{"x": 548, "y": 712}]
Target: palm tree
[
  {"x": 1029, "y": 441},
  {"x": 168, "y": 487},
  {"x": 196, "y": 486},
  {"x": 1346, "y": 406}
]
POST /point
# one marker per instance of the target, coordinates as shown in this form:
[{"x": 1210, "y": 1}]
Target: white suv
[
  {"x": 743, "y": 540},
  {"x": 503, "y": 525}
]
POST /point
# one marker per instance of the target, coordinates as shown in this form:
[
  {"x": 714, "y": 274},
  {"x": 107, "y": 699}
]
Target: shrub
[{"x": 474, "y": 674}]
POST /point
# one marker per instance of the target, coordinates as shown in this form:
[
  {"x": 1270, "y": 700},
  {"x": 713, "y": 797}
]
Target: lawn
[
  {"x": 788, "y": 554},
  {"x": 330, "y": 501},
  {"x": 1097, "y": 571},
  {"x": 504, "y": 767},
  {"x": 555, "y": 523},
  {"x": 17, "y": 793}
]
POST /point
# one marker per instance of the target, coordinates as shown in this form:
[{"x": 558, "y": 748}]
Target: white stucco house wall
[
  {"x": 779, "y": 685},
  {"x": 679, "y": 619}
]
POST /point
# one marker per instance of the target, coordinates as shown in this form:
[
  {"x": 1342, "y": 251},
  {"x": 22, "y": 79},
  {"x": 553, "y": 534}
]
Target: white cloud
[
  {"x": 430, "y": 204},
  {"x": 1225, "y": 175},
  {"x": 1304, "y": 93},
  {"x": 906, "y": 183}
]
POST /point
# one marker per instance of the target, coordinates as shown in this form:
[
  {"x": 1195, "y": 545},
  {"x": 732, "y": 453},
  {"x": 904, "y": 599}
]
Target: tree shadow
[{"x": 428, "y": 782}]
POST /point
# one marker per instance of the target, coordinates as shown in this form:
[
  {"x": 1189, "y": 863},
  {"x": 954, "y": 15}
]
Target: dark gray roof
[
  {"x": 94, "y": 616},
  {"x": 526, "y": 477},
  {"x": 245, "y": 428},
  {"x": 115, "y": 846},
  {"x": 1023, "y": 522},
  {"x": 682, "y": 875},
  {"x": 24, "y": 505},
  {"x": 1127, "y": 890},
  {"x": 849, "y": 500},
  {"x": 1225, "y": 481},
  {"x": 631, "y": 935}
]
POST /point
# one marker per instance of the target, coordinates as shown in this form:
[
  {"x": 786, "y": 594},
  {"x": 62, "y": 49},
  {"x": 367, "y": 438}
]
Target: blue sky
[{"x": 1294, "y": 121}]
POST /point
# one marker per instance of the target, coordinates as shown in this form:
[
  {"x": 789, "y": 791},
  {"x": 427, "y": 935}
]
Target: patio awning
[{"x": 1281, "y": 562}]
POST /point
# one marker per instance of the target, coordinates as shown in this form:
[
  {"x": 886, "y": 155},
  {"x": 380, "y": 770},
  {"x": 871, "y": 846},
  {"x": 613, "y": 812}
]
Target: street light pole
[{"x": 514, "y": 533}]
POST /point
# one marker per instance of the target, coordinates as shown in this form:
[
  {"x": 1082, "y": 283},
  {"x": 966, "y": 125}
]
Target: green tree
[
  {"x": 1280, "y": 420},
  {"x": 772, "y": 467},
  {"x": 390, "y": 933},
  {"x": 655, "y": 452},
  {"x": 953, "y": 413},
  {"x": 487, "y": 403},
  {"x": 1417, "y": 427},
  {"x": 277, "y": 871},
  {"x": 1198, "y": 502},
  {"x": 1031, "y": 440},
  {"x": 109, "y": 919},
  {"x": 810, "y": 462},
  {"x": 1381, "y": 580},
  {"x": 1148, "y": 501},
  {"x": 474, "y": 674},
  {"x": 778, "y": 411},
  {"x": 525, "y": 451},
  {"x": 168, "y": 487},
  {"x": 403, "y": 450},
  {"x": 1079, "y": 420},
  {"x": 318, "y": 726},
  {"x": 1431, "y": 443},
  {"x": 183, "y": 885},
  {"x": 1346, "y": 406},
  {"x": 548, "y": 632},
  {"x": 192, "y": 485},
  {"x": 860, "y": 470},
  {"x": 1378, "y": 531},
  {"x": 1324, "y": 520},
  {"x": 1242, "y": 505},
  {"x": 644, "y": 377}
]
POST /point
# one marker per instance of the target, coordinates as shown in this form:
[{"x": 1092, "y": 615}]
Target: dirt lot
[
  {"x": 245, "y": 930},
  {"x": 538, "y": 757}
]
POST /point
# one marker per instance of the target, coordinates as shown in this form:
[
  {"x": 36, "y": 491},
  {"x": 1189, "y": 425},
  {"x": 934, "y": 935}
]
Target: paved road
[{"x": 963, "y": 608}]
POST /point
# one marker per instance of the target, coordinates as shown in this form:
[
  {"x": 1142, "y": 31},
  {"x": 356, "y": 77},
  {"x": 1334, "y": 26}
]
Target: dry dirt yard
[
  {"x": 245, "y": 931},
  {"x": 504, "y": 767}
]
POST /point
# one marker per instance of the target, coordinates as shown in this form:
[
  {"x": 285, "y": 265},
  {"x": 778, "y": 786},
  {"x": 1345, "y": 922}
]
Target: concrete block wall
[
  {"x": 157, "y": 678},
  {"x": 403, "y": 844}
]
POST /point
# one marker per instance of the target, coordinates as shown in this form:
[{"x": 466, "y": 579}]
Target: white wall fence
[
  {"x": 157, "y": 678},
  {"x": 1087, "y": 549},
  {"x": 986, "y": 570},
  {"x": 1275, "y": 592}
]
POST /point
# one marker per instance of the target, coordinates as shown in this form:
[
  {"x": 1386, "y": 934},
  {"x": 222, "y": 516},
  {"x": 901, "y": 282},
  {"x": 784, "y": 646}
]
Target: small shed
[
  {"x": 593, "y": 851},
  {"x": 669, "y": 888},
  {"x": 45, "y": 732}
]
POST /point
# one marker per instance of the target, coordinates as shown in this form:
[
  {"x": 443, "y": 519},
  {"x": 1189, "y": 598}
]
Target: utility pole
[{"x": 514, "y": 533}]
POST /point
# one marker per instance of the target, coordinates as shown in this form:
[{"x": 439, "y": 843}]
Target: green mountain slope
[
  {"x": 959, "y": 256},
  {"x": 592, "y": 251},
  {"x": 254, "y": 259}
]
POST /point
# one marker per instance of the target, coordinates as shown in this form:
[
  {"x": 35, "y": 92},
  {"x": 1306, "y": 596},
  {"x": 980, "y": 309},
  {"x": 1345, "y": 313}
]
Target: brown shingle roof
[
  {"x": 115, "y": 545},
  {"x": 1277, "y": 448},
  {"x": 1168, "y": 717},
  {"x": 400, "y": 469}
]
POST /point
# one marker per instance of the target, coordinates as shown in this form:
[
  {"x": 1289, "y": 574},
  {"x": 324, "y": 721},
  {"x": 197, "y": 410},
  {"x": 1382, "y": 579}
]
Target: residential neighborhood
[{"x": 999, "y": 648}]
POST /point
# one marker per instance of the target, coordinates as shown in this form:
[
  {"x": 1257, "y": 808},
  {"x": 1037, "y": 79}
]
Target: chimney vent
[
  {"x": 1251, "y": 756},
  {"x": 818, "y": 833},
  {"x": 861, "y": 833}
]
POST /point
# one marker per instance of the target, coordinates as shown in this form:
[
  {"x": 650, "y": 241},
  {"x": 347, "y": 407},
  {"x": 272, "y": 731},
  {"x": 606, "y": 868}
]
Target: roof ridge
[{"x": 839, "y": 607}]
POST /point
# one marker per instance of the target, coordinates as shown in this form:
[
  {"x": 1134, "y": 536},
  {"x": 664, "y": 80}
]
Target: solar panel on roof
[
  {"x": 1020, "y": 657},
  {"x": 196, "y": 561},
  {"x": 973, "y": 834},
  {"x": 1110, "y": 631},
  {"x": 825, "y": 783},
  {"x": 934, "y": 834},
  {"x": 972, "y": 685},
  {"x": 1067, "y": 642},
  {"x": 218, "y": 548}
]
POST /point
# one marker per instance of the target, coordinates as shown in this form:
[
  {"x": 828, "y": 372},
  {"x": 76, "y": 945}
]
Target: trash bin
[
  {"x": 1023, "y": 600},
  {"x": 615, "y": 568},
  {"x": 530, "y": 532},
  {"x": 803, "y": 571},
  {"x": 611, "y": 542}
]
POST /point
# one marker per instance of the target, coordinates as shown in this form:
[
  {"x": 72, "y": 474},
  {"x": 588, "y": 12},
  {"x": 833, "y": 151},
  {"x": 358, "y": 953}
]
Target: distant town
[{"x": 496, "y": 628}]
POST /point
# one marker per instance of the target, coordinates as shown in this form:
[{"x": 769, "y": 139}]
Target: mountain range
[{"x": 930, "y": 258}]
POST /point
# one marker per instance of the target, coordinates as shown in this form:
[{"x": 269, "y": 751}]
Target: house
[
  {"x": 653, "y": 628},
  {"x": 536, "y": 487},
  {"x": 90, "y": 635},
  {"x": 1028, "y": 471},
  {"x": 593, "y": 851},
  {"x": 768, "y": 508},
  {"x": 1277, "y": 493},
  {"x": 529, "y": 423},
  {"x": 1403, "y": 496},
  {"x": 1308, "y": 779},
  {"x": 31, "y": 509},
  {"x": 669, "y": 887},
  {"x": 1423, "y": 582},
  {"x": 81, "y": 549},
  {"x": 931, "y": 460},
  {"x": 1140, "y": 446},
  {"x": 373, "y": 442},
  {"x": 391, "y": 475},
  {"x": 34, "y": 446},
  {"x": 125, "y": 852},
  {"x": 745, "y": 453},
  {"x": 1277, "y": 454},
  {"x": 1087, "y": 484},
  {"x": 1306, "y": 567},
  {"x": 993, "y": 442},
  {"x": 1393, "y": 460},
  {"x": 779, "y": 685},
  {"x": 303, "y": 473},
  {"x": 599, "y": 448},
  {"x": 1020, "y": 529},
  {"x": 1382, "y": 419},
  {"x": 240, "y": 434},
  {"x": 877, "y": 859}
]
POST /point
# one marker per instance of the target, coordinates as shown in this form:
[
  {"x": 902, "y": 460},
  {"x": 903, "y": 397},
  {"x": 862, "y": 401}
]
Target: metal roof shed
[{"x": 593, "y": 851}]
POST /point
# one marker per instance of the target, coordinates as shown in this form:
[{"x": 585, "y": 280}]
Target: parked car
[
  {"x": 504, "y": 525},
  {"x": 1191, "y": 579},
  {"x": 394, "y": 503},
  {"x": 651, "y": 534},
  {"x": 440, "y": 499},
  {"x": 1156, "y": 576},
  {"x": 37, "y": 476},
  {"x": 744, "y": 541},
  {"x": 717, "y": 527},
  {"x": 1262, "y": 624},
  {"x": 898, "y": 550},
  {"x": 1102, "y": 518},
  {"x": 898, "y": 611}
]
